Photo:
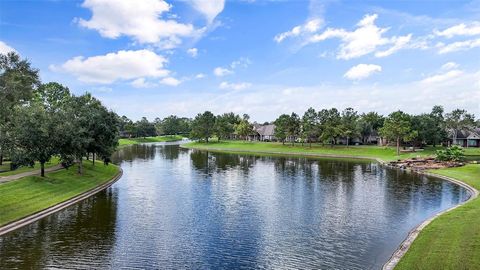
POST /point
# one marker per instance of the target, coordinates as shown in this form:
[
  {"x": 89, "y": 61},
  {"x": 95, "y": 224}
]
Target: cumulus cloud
[
  {"x": 443, "y": 77},
  {"x": 458, "y": 46},
  {"x": 142, "y": 83},
  {"x": 209, "y": 8},
  {"x": 462, "y": 29},
  {"x": 200, "y": 76},
  {"x": 220, "y": 72},
  {"x": 193, "y": 52},
  {"x": 234, "y": 86},
  {"x": 242, "y": 62},
  {"x": 366, "y": 38},
  {"x": 450, "y": 65},
  {"x": 362, "y": 71},
  {"x": 170, "y": 81},
  {"x": 310, "y": 26},
  {"x": 140, "y": 20},
  {"x": 4, "y": 48},
  {"x": 121, "y": 65}
]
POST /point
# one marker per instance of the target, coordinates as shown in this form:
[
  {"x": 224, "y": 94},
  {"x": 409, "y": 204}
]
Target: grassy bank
[
  {"x": 5, "y": 168},
  {"x": 384, "y": 153},
  {"x": 31, "y": 194},
  {"x": 130, "y": 141},
  {"x": 451, "y": 241}
]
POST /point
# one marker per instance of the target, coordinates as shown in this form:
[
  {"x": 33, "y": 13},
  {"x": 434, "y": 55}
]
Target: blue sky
[{"x": 155, "y": 58}]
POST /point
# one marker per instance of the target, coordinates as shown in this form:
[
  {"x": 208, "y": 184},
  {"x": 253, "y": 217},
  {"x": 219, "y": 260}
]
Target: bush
[{"x": 452, "y": 153}]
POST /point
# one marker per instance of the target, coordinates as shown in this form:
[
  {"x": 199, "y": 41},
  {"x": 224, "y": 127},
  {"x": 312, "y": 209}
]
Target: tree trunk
[
  {"x": 348, "y": 141},
  {"x": 80, "y": 166},
  {"x": 398, "y": 146},
  {"x": 206, "y": 139},
  {"x": 1, "y": 157},
  {"x": 42, "y": 169},
  {"x": 93, "y": 158}
]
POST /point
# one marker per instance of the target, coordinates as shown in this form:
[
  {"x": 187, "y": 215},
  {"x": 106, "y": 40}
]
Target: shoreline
[
  {"x": 413, "y": 234},
  {"x": 14, "y": 225}
]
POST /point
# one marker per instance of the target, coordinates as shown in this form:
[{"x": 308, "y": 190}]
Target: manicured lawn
[
  {"x": 452, "y": 241},
  {"x": 130, "y": 141},
  {"x": 384, "y": 153},
  {"x": 31, "y": 194},
  {"x": 5, "y": 168}
]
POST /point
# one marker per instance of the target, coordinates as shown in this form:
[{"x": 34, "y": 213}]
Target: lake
[{"x": 178, "y": 208}]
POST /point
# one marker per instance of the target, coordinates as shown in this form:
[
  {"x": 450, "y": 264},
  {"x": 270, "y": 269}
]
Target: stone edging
[
  {"x": 412, "y": 235},
  {"x": 55, "y": 208}
]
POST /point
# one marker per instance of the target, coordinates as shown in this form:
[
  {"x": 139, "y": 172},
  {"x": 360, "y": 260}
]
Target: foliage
[
  {"x": 349, "y": 124},
  {"x": 203, "y": 126},
  {"x": 281, "y": 127},
  {"x": 244, "y": 128},
  {"x": 309, "y": 126},
  {"x": 397, "y": 126},
  {"x": 458, "y": 119},
  {"x": 453, "y": 153},
  {"x": 226, "y": 124}
]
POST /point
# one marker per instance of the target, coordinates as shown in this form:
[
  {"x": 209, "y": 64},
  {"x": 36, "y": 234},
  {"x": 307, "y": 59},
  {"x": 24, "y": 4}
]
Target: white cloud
[
  {"x": 234, "y": 86},
  {"x": 365, "y": 39},
  {"x": 140, "y": 20},
  {"x": 209, "y": 8},
  {"x": 458, "y": 46},
  {"x": 242, "y": 62},
  {"x": 460, "y": 30},
  {"x": 170, "y": 81},
  {"x": 4, "y": 48},
  {"x": 450, "y": 65},
  {"x": 200, "y": 76},
  {"x": 443, "y": 77},
  {"x": 362, "y": 71},
  {"x": 142, "y": 83},
  {"x": 121, "y": 65},
  {"x": 311, "y": 26},
  {"x": 398, "y": 44},
  {"x": 220, "y": 72},
  {"x": 193, "y": 52}
]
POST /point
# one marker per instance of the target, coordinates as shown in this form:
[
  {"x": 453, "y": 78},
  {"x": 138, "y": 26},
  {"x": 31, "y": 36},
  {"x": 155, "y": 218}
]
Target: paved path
[{"x": 4, "y": 179}]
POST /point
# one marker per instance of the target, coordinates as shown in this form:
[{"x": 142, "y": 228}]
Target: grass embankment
[
  {"x": 31, "y": 194},
  {"x": 384, "y": 153},
  {"x": 130, "y": 141},
  {"x": 451, "y": 241},
  {"x": 5, "y": 168}
]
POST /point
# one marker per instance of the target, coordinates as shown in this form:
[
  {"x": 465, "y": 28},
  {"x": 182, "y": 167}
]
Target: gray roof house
[
  {"x": 467, "y": 137},
  {"x": 263, "y": 132}
]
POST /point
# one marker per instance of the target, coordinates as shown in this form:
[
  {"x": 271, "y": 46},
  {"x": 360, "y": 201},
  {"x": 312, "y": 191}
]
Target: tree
[
  {"x": 309, "y": 128},
  {"x": 281, "y": 127},
  {"x": 244, "y": 128},
  {"x": 169, "y": 125},
  {"x": 330, "y": 121},
  {"x": 349, "y": 124},
  {"x": 369, "y": 124},
  {"x": 397, "y": 127},
  {"x": 225, "y": 125},
  {"x": 439, "y": 134},
  {"x": 293, "y": 129},
  {"x": 458, "y": 119},
  {"x": 144, "y": 128},
  {"x": 34, "y": 133},
  {"x": 203, "y": 126},
  {"x": 18, "y": 80}
]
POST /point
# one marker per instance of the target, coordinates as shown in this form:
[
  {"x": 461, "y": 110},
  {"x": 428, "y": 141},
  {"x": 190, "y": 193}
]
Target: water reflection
[{"x": 177, "y": 208}]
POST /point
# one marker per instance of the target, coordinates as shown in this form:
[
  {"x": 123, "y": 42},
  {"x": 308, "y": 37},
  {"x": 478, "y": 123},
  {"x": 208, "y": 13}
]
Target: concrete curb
[
  {"x": 55, "y": 208},
  {"x": 412, "y": 235}
]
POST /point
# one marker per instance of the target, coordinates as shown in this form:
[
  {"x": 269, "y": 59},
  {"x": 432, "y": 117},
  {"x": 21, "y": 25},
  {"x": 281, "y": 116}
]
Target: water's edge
[
  {"x": 412, "y": 235},
  {"x": 14, "y": 225}
]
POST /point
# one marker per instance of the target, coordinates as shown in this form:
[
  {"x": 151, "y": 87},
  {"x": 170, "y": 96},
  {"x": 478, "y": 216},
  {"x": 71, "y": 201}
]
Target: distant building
[
  {"x": 263, "y": 132},
  {"x": 466, "y": 137}
]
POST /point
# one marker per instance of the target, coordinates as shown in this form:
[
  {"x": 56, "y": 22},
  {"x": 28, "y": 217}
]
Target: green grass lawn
[
  {"x": 384, "y": 153},
  {"x": 5, "y": 168},
  {"x": 130, "y": 141},
  {"x": 451, "y": 241},
  {"x": 31, "y": 194}
]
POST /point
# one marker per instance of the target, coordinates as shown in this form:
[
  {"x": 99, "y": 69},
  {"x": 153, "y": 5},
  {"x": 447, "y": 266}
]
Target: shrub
[{"x": 452, "y": 153}]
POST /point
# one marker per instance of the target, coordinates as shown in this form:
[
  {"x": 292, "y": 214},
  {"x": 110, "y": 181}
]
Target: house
[
  {"x": 263, "y": 132},
  {"x": 466, "y": 137}
]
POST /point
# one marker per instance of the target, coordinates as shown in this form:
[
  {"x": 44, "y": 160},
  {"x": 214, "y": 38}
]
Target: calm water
[{"x": 177, "y": 208}]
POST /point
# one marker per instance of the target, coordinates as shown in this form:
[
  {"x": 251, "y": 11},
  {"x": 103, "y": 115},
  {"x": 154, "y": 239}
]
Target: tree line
[{"x": 41, "y": 120}]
